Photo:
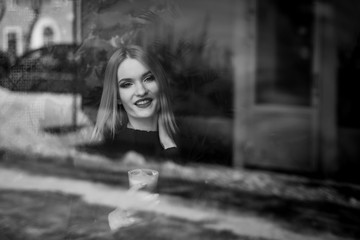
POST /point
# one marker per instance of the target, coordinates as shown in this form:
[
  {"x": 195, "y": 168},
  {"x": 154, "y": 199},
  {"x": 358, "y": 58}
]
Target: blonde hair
[{"x": 110, "y": 116}]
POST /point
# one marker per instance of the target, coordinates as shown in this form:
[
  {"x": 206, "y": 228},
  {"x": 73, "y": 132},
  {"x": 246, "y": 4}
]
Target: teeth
[{"x": 143, "y": 102}]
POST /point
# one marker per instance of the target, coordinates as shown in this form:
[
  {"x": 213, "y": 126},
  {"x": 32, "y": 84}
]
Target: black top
[{"x": 144, "y": 142}]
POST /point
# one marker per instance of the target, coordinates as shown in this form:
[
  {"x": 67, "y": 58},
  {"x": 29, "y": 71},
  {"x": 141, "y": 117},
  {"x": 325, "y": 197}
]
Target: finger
[{"x": 119, "y": 218}]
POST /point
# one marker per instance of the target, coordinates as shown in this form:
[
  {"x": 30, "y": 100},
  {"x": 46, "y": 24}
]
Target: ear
[{"x": 119, "y": 102}]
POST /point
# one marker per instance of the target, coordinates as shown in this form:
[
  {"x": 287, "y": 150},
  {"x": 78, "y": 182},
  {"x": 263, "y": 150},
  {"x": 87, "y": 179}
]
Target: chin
[{"x": 147, "y": 114}]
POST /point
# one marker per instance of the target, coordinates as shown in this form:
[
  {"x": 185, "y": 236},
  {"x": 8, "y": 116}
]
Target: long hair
[{"x": 110, "y": 116}]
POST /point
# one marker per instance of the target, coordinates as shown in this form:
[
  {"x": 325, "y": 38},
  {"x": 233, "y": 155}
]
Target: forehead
[{"x": 131, "y": 68}]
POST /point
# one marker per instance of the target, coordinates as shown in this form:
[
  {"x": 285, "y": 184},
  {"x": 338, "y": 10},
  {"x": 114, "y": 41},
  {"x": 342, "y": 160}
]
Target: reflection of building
[{"x": 54, "y": 24}]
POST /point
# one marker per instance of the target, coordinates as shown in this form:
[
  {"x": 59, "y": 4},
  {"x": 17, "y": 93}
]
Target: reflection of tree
[{"x": 200, "y": 72}]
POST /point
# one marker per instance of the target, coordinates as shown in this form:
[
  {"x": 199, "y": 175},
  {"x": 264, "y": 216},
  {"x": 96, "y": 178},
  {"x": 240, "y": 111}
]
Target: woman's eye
[
  {"x": 149, "y": 78},
  {"x": 125, "y": 84}
]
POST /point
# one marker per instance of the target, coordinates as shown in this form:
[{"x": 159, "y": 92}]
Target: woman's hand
[
  {"x": 134, "y": 200},
  {"x": 165, "y": 139}
]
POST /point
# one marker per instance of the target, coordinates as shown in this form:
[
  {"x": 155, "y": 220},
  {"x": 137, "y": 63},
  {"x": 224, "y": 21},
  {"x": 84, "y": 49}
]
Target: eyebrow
[{"x": 142, "y": 76}]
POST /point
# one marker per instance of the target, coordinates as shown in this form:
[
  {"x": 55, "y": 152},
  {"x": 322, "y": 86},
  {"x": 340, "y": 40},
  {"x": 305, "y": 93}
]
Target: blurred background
[{"x": 257, "y": 85}]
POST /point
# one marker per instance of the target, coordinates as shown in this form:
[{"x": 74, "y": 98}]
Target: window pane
[{"x": 284, "y": 53}]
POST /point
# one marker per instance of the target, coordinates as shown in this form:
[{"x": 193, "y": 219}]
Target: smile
[{"x": 143, "y": 103}]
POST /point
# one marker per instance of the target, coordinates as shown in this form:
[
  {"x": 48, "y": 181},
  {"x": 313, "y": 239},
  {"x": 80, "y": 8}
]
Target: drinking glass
[
  {"x": 143, "y": 179},
  {"x": 142, "y": 183}
]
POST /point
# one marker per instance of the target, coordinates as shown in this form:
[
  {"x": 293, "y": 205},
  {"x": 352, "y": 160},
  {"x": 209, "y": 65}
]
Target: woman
[{"x": 135, "y": 112}]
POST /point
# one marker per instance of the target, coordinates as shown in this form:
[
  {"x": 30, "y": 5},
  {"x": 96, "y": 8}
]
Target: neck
[{"x": 145, "y": 124}]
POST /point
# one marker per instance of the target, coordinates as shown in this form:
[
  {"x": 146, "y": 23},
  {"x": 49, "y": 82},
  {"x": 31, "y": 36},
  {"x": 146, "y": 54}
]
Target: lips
[{"x": 144, "y": 102}]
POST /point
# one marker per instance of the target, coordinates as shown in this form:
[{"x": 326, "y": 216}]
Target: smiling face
[{"x": 139, "y": 91}]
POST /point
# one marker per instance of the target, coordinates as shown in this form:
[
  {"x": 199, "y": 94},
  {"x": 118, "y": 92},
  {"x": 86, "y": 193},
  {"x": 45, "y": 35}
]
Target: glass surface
[
  {"x": 243, "y": 88},
  {"x": 284, "y": 53}
]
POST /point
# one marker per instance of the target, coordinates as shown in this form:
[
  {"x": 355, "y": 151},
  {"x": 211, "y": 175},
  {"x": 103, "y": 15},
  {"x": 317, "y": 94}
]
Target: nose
[{"x": 141, "y": 89}]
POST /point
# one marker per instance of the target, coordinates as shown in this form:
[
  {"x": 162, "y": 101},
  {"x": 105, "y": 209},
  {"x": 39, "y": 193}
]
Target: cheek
[
  {"x": 124, "y": 96},
  {"x": 154, "y": 88},
  {"x": 156, "y": 94}
]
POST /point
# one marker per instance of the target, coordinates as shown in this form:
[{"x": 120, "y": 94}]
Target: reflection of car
[{"x": 48, "y": 69}]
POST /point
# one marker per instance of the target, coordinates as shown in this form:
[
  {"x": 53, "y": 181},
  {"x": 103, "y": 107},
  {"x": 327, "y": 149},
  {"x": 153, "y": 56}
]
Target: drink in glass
[{"x": 143, "y": 179}]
